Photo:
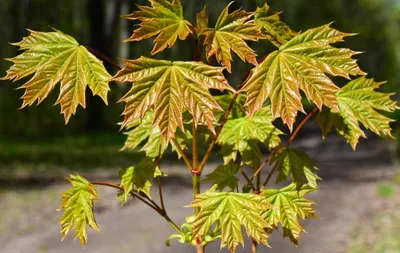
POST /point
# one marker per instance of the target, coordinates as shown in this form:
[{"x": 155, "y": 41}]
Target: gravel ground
[{"x": 28, "y": 220}]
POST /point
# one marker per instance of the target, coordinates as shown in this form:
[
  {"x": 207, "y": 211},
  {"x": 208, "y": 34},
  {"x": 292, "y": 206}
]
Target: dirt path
[{"x": 344, "y": 200}]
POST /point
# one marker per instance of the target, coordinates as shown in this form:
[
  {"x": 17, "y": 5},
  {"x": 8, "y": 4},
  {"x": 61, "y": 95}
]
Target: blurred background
[{"x": 37, "y": 150}]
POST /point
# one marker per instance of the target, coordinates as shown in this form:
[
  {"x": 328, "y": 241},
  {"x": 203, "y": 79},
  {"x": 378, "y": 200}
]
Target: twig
[
  {"x": 214, "y": 140},
  {"x": 247, "y": 178},
  {"x": 145, "y": 199},
  {"x": 309, "y": 115},
  {"x": 160, "y": 192},
  {"x": 182, "y": 153}
]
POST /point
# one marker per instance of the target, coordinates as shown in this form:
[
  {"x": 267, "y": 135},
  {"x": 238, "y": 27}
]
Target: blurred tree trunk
[{"x": 103, "y": 26}]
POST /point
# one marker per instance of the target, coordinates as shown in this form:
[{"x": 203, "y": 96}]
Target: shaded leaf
[
  {"x": 301, "y": 64},
  {"x": 274, "y": 29},
  {"x": 139, "y": 176},
  {"x": 224, "y": 176},
  {"x": 170, "y": 88},
  {"x": 163, "y": 19},
  {"x": 201, "y": 20},
  {"x": 54, "y": 57},
  {"x": 297, "y": 165},
  {"x": 359, "y": 103},
  {"x": 77, "y": 203},
  {"x": 224, "y": 101},
  {"x": 230, "y": 33},
  {"x": 244, "y": 134},
  {"x": 289, "y": 205},
  {"x": 231, "y": 210}
]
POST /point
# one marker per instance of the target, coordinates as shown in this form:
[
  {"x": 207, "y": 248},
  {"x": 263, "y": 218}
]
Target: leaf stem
[
  {"x": 182, "y": 153},
  {"x": 104, "y": 58},
  {"x": 160, "y": 188},
  {"x": 309, "y": 115},
  {"x": 270, "y": 175},
  {"x": 145, "y": 199},
  {"x": 195, "y": 151},
  {"x": 291, "y": 139},
  {"x": 214, "y": 140},
  {"x": 247, "y": 178}
]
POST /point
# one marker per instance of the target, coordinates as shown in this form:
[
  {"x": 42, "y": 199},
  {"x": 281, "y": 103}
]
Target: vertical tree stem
[
  {"x": 195, "y": 151},
  {"x": 254, "y": 246}
]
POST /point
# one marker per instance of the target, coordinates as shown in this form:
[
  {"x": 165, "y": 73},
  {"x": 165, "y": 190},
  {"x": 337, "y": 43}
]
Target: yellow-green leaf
[
  {"x": 54, "y": 57},
  {"x": 359, "y": 103},
  {"x": 231, "y": 210},
  {"x": 139, "y": 176},
  {"x": 171, "y": 88},
  {"x": 289, "y": 205},
  {"x": 274, "y": 29},
  {"x": 224, "y": 176},
  {"x": 230, "y": 33},
  {"x": 244, "y": 134},
  {"x": 301, "y": 64},
  {"x": 298, "y": 165},
  {"x": 77, "y": 203},
  {"x": 163, "y": 19}
]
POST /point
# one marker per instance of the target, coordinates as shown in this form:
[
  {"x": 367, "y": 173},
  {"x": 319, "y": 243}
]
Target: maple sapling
[{"x": 170, "y": 106}]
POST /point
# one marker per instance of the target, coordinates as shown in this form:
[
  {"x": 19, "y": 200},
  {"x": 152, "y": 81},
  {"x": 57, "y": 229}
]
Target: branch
[
  {"x": 182, "y": 153},
  {"x": 160, "y": 192},
  {"x": 211, "y": 146},
  {"x": 145, "y": 199},
  {"x": 247, "y": 179}
]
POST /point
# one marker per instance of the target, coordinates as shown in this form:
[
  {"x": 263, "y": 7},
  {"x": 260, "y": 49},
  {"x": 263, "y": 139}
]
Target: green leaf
[
  {"x": 139, "y": 176},
  {"x": 359, "y": 103},
  {"x": 54, "y": 57},
  {"x": 170, "y": 88},
  {"x": 230, "y": 33},
  {"x": 163, "y": 19},
  {"x": 243, "y": 135},
  {"x": 224, "y": 176},
  {"x": 225, "y": 100},
  {"x": 231, "y": 210},
  {"x": 289, "y": 204},
  {"x": 301, "y": 64},
  {"x": 141, "y": 130},
  {"x": 274, "y": 29},
  {"x": 298, "y": 165},
  {"x": 77, "y": 203}
]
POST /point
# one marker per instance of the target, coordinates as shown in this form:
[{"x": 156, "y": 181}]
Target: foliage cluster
[{"x": 170, "y": 105}]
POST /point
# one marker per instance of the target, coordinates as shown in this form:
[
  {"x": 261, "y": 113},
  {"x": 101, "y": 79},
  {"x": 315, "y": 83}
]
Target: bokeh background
[{"x": 359, "y": 196}]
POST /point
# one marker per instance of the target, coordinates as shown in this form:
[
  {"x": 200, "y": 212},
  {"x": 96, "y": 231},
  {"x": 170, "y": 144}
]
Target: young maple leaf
[
  {"x": 54, "y": 57},
  {"x": 231, "y": 210},
  {"x": 77, "y": 203},
  {"x": 170, "y": 88},
  {"x": 359, "y": 103},
  {"x": 139, "y": 176},
  {"x": 300, "y": 64},
  {"x": 230, "y": 33},
  {"x": 274, "y": 29},
  {"x": 163, "y": 19},
  {"x": 289, "y": 203}
]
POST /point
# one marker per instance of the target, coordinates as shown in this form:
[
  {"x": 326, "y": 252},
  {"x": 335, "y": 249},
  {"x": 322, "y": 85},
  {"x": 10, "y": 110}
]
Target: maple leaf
[
  {"x": 298, "y": 165},
  {"x": 201, "y": 21},
  {"x": 140, "y": 130},
  {"x": 359, "y": 103},
  {"x": 170, "y": 88},
  {"x": 243, "y": 135},
  {"x": 301, "y": 64},
  {"x": 163, "y": 19},
  {"x": 78, "y": 205},
  {"x": 274, "y": 29},
  {"x": 139, "y": 176},
  {"x": 54, "y": 57},
  {"x": 224, "y": 176},
  {"x": 231, "y": 210},
  {"x": 289, "y": 204},
  {"x": 230, "y": 33}
]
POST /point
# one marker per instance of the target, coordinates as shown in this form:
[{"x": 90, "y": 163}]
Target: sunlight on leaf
[{"x": 54, "y": 57}]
